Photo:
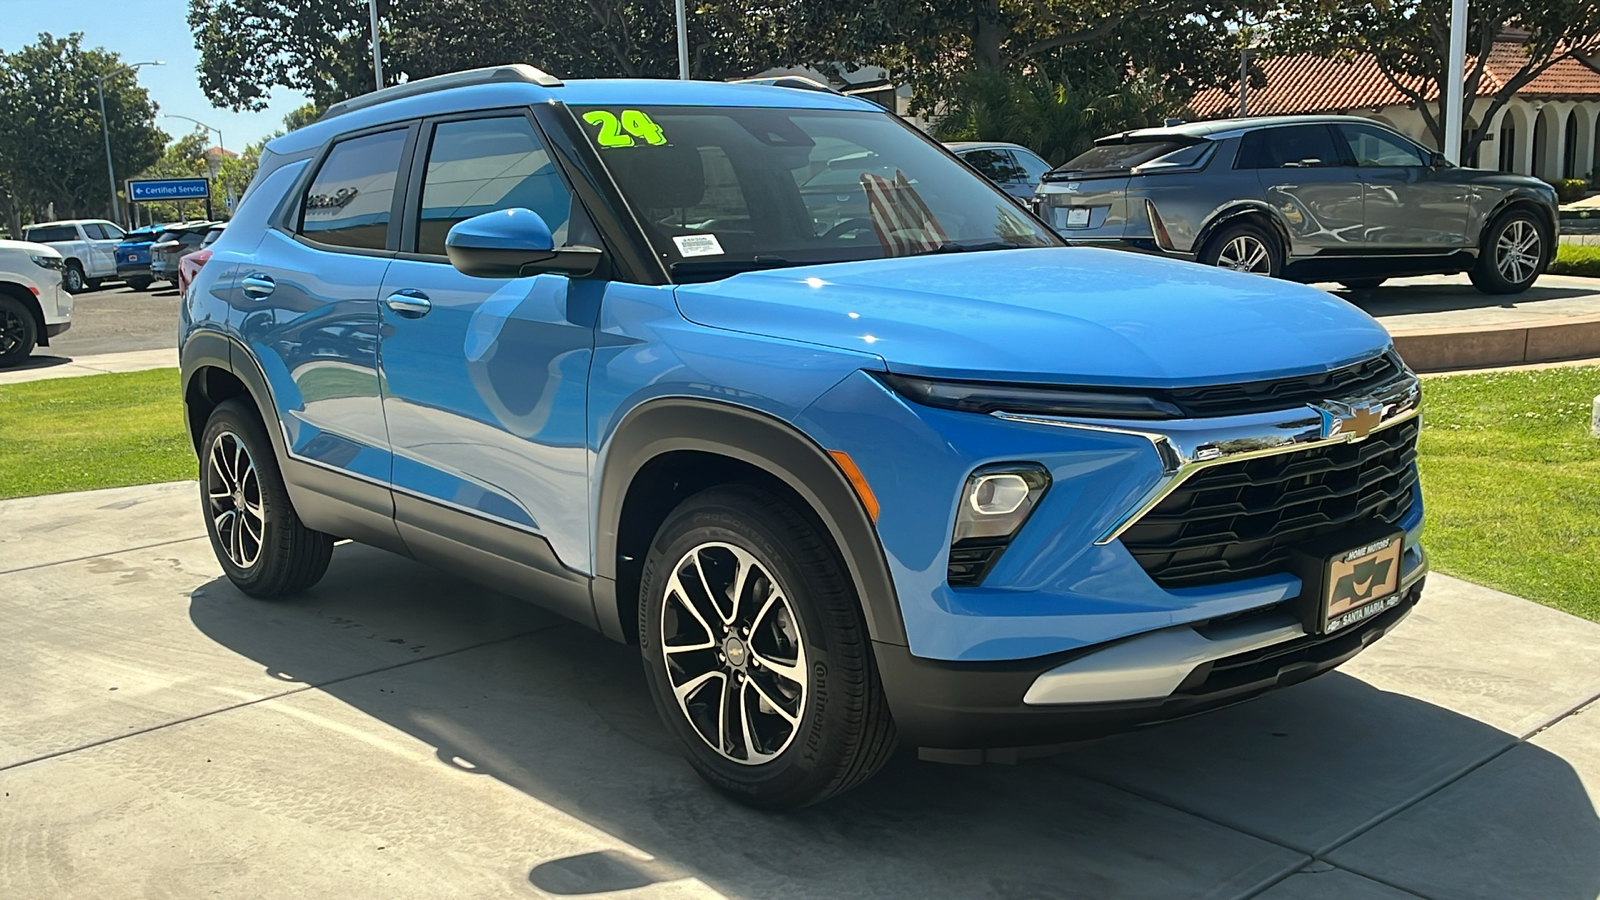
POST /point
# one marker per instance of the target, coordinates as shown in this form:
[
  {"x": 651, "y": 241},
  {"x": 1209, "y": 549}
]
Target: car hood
[
  {"x": 29, "y": 248},
  {"x": 1061, "y": 315}
]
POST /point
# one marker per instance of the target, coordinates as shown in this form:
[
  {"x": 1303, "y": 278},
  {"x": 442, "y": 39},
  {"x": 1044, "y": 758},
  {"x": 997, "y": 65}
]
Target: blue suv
[{"x": 769, "y": 384}]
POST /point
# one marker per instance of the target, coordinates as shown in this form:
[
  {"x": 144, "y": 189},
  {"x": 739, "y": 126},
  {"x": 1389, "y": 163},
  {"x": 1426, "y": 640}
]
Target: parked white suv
[
  {"x": 34, "y": 305},
  {"x": 88, "y": 247}
]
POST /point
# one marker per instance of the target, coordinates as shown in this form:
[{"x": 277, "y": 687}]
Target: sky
[{"x": 143, "y": 30}]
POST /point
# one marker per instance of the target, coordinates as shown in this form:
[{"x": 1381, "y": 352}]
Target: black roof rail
[
  {"x": 488, "y": 75},
  {"x": 799, "y": 82}
]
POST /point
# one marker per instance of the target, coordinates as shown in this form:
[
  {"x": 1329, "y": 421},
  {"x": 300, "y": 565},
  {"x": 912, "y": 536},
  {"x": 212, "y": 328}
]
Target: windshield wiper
[
  {"x": 712, "y": 269},
  {"x": 970, "y": 246}
]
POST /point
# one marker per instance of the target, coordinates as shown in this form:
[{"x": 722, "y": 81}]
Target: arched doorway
[
  {"x": 1569, "y": 148},
  {"x": 1541, "y": 140},
  {"x": 1507, "y": 139}
]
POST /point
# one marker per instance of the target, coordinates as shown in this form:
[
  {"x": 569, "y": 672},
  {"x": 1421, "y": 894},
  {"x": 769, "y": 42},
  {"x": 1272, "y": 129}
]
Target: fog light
[{"x": 998, "y": 494}]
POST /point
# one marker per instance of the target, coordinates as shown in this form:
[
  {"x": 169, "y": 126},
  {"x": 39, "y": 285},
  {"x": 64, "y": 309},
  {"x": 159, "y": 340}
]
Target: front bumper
[{"x": 981, "y": 712}]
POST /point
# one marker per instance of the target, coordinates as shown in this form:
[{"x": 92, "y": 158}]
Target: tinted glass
[
  {"x": 50, "y": 233},
  {"x": 1375, "y": 147},
  {"x": 999, "y": 166},
  {"x": 485, "y": 165},
  {"x": 1033, "y": 168},
  {"x": 720, "y": 189},
  {"x": 94, "y": 231},
  {"x": 140, "y": 235},
  {"x": 1295, "y": 146},
  {"x": 112, "y": 232},
  {"x": 1103, "y": 157},
  {"x": 1181, "y": 158},
  {"x": 348, "y": 203}
]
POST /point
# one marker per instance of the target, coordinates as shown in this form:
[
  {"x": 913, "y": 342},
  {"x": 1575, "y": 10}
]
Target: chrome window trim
[{"x": 1187, "y": 451}]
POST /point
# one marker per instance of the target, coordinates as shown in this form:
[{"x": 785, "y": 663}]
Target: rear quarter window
[{"x": 349, "y": 202}]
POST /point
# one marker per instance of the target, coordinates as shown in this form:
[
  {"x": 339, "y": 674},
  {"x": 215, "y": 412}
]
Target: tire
[
  {"x": 1513, "y": 253},
  {"x": 1362, "y": 284},
  {"x": 279, "y": 556},
  {"x": 72, "y": 277},
  {"x": 139, "y": 284},
  {"x": 799, "y": 664},
  {"x": 1245, "y": 247},
  {"x": 19, "y": 331}
]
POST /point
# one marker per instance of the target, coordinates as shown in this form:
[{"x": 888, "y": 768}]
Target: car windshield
[
  {"x": 1119, "y": 156},
  {"x": 139, "y": 236},
  {"x": 722, "y": 190}
]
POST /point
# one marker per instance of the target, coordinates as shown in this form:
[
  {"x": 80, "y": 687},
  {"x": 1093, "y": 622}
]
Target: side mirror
[
  {"x": 511, "y": 243},
  {"x": 1438, "y": 161}
]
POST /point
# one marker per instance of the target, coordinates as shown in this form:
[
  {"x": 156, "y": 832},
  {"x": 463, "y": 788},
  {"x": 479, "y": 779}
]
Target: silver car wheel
[
  {"x": 1246, "y": 253},
  {"x": 731, "y": 644},
  {"x": 233, "y": 499},
  {"x": 1517, "y": 252}
]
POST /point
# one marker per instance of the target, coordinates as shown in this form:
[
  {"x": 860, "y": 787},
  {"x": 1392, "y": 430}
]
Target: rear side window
[
  {"x": 94, "y": 231},
  {"x": 349, "y": 200},
  {"x": 484, "y": 165},
  {"x": 51, "y": 233},
  {"x": 1119, "y": 156},
  {"x": 1291, "y": 147}
]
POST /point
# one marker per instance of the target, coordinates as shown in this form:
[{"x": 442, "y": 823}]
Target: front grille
[
  {"x": 1242, "y": 519},
  {"x": 1285, "y": 393}
]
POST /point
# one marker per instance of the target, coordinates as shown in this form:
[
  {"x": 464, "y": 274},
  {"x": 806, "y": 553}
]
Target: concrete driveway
[{"x": 397, "y": 733}]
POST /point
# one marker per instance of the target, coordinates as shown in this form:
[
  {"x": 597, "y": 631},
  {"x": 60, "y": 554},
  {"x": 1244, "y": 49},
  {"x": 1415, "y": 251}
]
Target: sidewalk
[
  {"x": 160, "y": 734},
  {"x": 42, "y": 365}
]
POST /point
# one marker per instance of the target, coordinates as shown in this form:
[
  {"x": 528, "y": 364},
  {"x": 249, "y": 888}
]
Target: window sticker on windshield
[
  {"x": 613, "y": 130},
  {"x": 697, "y": 245}
]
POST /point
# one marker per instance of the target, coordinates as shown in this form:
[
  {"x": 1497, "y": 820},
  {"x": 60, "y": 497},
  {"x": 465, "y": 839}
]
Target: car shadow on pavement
[
  {"x": 1217, "y": 806},
  {"x": 38, "y": 361},
  {"x": 1408, "y": 299}
]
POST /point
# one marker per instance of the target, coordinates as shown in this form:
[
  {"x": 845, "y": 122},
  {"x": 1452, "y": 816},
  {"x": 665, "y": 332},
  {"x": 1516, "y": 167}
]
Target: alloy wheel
[
  {"x": 13, "y": 331},
  {"x": 1246, "y": 253},
  {"x": 72, "y": 280},
  {"x": 734, "y": 656},
  {"x": 233, "y": 497},
  {"x": 1517, "y": 252}
]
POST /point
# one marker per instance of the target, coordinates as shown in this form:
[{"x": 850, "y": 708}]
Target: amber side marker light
[{"x": 857, "y": 480}]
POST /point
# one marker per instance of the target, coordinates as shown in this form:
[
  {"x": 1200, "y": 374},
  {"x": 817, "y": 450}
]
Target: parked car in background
[
  {"x": 190, "y": 263},
  {"x": 1310, "y": 198},
  {"x": 88, "y": 248},
  {"x": 1014, "y": 168},
  {"x": 133, "y": 257},
  {"x": 898, "y": 468},
  {"x": 171, "y": 245},
  {"x": 34, "y": 305}
]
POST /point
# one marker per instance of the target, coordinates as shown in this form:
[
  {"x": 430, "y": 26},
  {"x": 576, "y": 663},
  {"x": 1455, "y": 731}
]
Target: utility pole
[
  {"x": 377, "y": 50},
  {"x": 683, "y": 42},
  {"x": 1244, "y": 81},
  {"x": 105, "y": 129},
  {"x": 1454, "y": 88}
]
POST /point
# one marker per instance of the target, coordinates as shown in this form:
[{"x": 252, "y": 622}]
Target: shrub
[
  {"x": 1571, "y": 190},
  {"x": 1576, "y": 259}
]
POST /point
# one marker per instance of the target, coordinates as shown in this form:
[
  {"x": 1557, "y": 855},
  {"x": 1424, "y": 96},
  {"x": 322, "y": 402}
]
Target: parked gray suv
[{"x": 1311, "y": 198}]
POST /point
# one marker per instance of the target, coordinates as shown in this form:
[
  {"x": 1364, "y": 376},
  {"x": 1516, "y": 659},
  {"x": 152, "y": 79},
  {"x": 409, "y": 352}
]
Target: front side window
[
  {"x": 484, "y": 165},
  {"x": 1292, "y": 147},
  {"x": 112, "y": 232},
  {"x": 1033, "y": 168},
  {"x": 348, "y": 202},
  {"x": 719, "y": 190},
  {"x": 1375, "y": 147},
  {"x": 999, "y": 166}
]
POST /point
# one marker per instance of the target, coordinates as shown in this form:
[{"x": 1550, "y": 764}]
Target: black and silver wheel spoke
[
  {"x": 12, "y": 331},
  {"x": 1517, "y": 251},
  {"x": 733, "y": 652},
  {"x": 233, "y": 498},
  {"x": 1246, "y": 254}
]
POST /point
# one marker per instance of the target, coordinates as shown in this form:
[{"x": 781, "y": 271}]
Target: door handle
[
  {"x": 409, "y": 304},
  {"x": 257, "y": 286}
]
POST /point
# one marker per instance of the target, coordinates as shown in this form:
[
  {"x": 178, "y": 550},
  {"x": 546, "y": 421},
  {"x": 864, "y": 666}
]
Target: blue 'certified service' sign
[{"x": 169, "y": 189}]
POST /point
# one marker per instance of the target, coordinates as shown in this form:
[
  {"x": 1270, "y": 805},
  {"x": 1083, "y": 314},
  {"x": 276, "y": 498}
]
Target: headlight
[
  {"x": 986, "y": 397},
  {"x": 996, "y": 502},
  {"x": 47, "y": 262}
]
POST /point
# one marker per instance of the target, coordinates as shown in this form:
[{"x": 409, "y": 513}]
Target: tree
[
  {"x": 52, "y": 149},
  {"x": 1410, "y": 41},
  {"x": 183, "y": 158},
  {"x": 1057, "y": 119},
  {"x": 249, "y": 47}
]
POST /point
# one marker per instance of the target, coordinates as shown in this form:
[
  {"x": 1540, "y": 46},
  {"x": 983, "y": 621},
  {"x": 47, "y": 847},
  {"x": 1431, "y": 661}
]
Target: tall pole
[
  {"x": 105, "y": 128},
  {"x": 377, "y": 50},
  {"x": 683, "y": 42},
  {"x": 1244, "y": 82},
  {"x": 1454, "y": 88}
]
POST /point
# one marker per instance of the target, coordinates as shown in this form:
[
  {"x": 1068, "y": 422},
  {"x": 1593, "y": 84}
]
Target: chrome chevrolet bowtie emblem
[{"x": 1352, "y": 421}]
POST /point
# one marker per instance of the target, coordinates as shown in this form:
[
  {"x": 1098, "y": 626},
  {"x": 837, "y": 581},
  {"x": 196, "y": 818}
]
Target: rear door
[
  {"x": 308, "y": 306},
  {"x": 1302, "y": 175},
  {"x": 1411, "y": 205}
]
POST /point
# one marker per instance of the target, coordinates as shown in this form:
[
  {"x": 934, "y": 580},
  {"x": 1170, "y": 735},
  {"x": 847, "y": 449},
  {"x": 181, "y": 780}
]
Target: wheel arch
[
  {"x": 1529, "y": 202},
  {"x": 31, "y": 304},
  {"x": 1246, "y": 211},
  {"x": 667, "y": 449},
  {"x": 210, "y": 375}
]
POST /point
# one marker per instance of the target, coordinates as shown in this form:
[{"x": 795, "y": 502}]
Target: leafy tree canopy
[{"x": 52, "y": 149}]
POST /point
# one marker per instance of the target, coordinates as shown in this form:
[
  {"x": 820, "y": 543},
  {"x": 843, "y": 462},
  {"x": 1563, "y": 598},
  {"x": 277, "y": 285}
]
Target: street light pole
[
  {"x": 105, "y": 129},
  {"x": 1454, "y": 89},
  {"x": 683, "y": 42},
  {"x": 377, "y": 51}
]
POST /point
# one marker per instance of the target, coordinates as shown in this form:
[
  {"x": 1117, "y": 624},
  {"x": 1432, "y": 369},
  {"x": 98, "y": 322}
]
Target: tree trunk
[{"x": 989, "y": 33}]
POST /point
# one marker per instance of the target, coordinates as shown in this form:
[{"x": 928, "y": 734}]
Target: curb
[{"x": 1446, "y": 349}]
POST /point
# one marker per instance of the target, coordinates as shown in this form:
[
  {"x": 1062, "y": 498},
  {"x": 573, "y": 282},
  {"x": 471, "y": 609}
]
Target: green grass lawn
[
  {"x": 1510, "y": 473},
  {"x": 1511, "y": 478},
  {"x": 1576, "y": 259},
  {"x": 98, "y": 431}
]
